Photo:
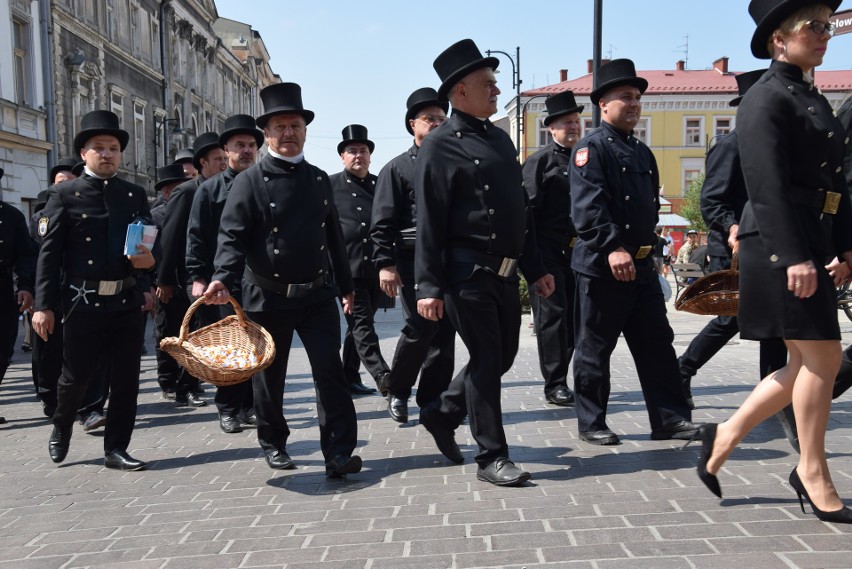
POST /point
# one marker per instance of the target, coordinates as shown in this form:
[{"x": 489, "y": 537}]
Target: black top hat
[
  {"x": 744, "y": 83},
  {"x": 614, "y": 74},
  {"x": 169, "y": 175},
  {"x": 458, "y": 60},
  {"x": 64, "y": 165},
  {"x": 560, "y": 104},
  {"x": 355, "y": 134},
  {"x": 184, "y": 155},
  {"x": 282, "y": 98},
  {"x": 240, "y": 124},
  {"x": 420, "y": 99},
  {"x": 100, "y": 122},
  {"x": 769, "y": 14},
  {"x": 78, "y": 168},
  {"x": 202, "y": 145}
]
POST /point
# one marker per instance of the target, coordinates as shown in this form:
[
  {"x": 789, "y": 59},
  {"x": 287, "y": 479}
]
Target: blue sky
[{"x": 358, "y": 61}]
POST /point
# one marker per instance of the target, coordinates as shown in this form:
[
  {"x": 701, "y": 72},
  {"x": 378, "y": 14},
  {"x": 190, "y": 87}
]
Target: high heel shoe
[
  {"x": 706, "y": 433},
  {"x": 841, "y": 516}
]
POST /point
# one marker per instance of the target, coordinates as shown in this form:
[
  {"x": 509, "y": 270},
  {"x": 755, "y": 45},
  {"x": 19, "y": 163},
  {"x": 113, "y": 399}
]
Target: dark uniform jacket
[
  {"x": 280, "y": 222},
  {"x": 614, "y": 200},
  {"x": 723, "y": 195},
  {"x": 792, "y": 149},
  {"x": 86, "y": 229},
  {"x": 171, "y": 270},
  {"x": 17, "y": 249},
  {"x": 353, "y": 198},
  {"x": 470, "y": 198},
  {"x": 203, "y": 230},
  {"x": 546, "y": 182},
  {"x": 844, "y": 115},
  {"x": 394, "y": 207}
]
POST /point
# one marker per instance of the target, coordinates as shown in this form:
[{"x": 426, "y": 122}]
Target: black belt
[
  {"x": 292, "y": 290},
  {"x": 103, "y": 288},
  {"x": 502, "y": 266},
  {"x": 639, "y": 251},
  {"x": 826, "y": 202}
]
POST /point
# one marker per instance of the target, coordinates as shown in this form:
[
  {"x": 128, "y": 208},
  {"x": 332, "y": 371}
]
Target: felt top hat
[
  {"x": 169, "y": 175},
  {"x": 614, "y": 74},
  {"x": 560, "y": 104},
  {"x": 240, "y": 124},
  {"x": 355, "y": 134},
  {"x": 744, "y": 83},
  {"x": 202, "y": 145},
  {"x": 184, "y": 156},
  {"x": 769, "y": 14},
  {"x": 96, "y": 123},
  {"x": 78, "y": 168},
  {"x": 64, "y": 165},
  {"x": 420, "y": 99},
  {"x": 457, "y": 61},
  {"x": 282, "y": 98}
]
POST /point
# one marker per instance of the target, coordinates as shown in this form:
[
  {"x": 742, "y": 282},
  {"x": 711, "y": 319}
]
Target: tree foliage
[{"x": 691, "y": 206}]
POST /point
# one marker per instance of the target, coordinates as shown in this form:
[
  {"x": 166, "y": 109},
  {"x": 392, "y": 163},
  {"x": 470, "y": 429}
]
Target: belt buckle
[
  {"x": 832, "y": 202},
  {"x": 296, "y": 290},
  {"x": 643, "y": 251},
  {"x": 572, "y": 242},
  {"x": 109, "y": 288},
  {"x": 507, "y": 267}
]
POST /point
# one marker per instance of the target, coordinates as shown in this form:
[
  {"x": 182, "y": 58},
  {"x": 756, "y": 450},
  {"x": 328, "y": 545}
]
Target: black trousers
[
  {"x": 8, "y": 322},
  {"x": 424, "y": 347},
  {"x": 486, "y": 312},
  {"x": 167, "y": 322},
  {"x": 113, "y": 339},
  {"x": 318, "y": 326},
  {"x": 605, "y": 309},
  {"x": 361, "y": 343},
  {"x": 553, "y": 318}
]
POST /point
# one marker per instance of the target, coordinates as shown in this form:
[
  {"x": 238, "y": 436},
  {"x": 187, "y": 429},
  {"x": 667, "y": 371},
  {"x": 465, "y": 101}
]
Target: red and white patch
[{"x": 581, "y": 157}]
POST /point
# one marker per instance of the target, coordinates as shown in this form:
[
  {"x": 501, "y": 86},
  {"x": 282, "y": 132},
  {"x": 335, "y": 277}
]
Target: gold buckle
[
  {"x": 832, "y": 202},
  {"x": 572, "y": 242},
  {"x": 643, "y": 251},
  {"x": 109, "y": 288},
  {"x": 507, "y": 267}
]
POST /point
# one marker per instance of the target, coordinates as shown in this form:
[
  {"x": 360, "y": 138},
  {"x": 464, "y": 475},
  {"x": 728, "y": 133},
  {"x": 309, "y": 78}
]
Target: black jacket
[
  {"x": 353, "y": 198},
  {"x": 546, "y": 182},
  {"x": 203, "y": 230},
  {"x": 394, "y": 207},
  {"x": 723, "y": 195},
  {"x": 171, "y": 270},
  {"x": 844, "y": 115},
  {"x": 17, "y": 249}
]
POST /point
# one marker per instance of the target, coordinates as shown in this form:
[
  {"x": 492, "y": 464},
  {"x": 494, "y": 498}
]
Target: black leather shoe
[
  {"x": 382, "y": 382},
  {"x": 279, "y": 460},
  {"x": 249, "y": 419},
  {"x": 168, "y": 395},
  {"x": 604, "y": 437},
  {"x": 230, "y": 424},
  {"x": 682, "y": 430},
  {"x": 120, "y": 460},
  {"x": 49, "y": 409},
  {"x": 60, "y": 440},
  {"x": 562, "y": 397},
  {"x": 189, "y": 400},
  {"x": 341, "y": 465},
  {"x": 2, "y": 420},
  {"x": 444, "y": 436},
  {"x": 503, "y": 472},
  {"x": 398, "y": 409},
  {"x": 360, "y": 389}
]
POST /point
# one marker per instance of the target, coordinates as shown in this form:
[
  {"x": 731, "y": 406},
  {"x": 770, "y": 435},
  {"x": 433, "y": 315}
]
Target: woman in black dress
[{"x": 798, "y": 217}]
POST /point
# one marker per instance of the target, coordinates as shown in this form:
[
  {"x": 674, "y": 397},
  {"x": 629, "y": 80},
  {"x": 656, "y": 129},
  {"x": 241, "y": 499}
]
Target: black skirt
[{"x": 768, "y": 310}]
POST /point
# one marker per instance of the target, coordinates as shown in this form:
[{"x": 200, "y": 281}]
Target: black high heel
[
  {"x": 841, "y": 516},
  {"x": 706, "y": 433}
]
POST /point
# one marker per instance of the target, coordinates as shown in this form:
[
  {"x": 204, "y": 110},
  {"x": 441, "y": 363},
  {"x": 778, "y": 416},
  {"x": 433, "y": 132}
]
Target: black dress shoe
[
  {"x": 443, "y": 435},
  {"x": 503, "y": 472},
  {"x": 120, "y": 460},
  {"x": 383, "y": 383},
  {"x": 230, "y": 424},
  {"x": 189, "y": 399},
  {"x": 682, "y": 430},
  {"x": 604, "y": 437},
  {"x": 398, "y": 409},
  {"x": 360, "y": 389},
  {"x": 279, "y": 460},
  {"x": 2, "y": 420},
  {"x": 60, "y": 440},
  {"x": 249, "y": 419},
  {"x": 49, "y": 409},
  {"x": 341, "y": 465},
  {"x": 562, "y": 397},
  {"x": 168, "y": 395}
]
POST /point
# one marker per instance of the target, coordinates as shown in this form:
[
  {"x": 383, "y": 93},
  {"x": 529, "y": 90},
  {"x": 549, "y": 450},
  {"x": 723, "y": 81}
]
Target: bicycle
[{"x": 844, "y": 299}]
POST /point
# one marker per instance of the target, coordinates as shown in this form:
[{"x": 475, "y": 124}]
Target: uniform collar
[
  {"x": 559, "y": 149},
  {"x": 412, "y": 152},
  {"x": 94, "y": 176},
  {"x": 792, "y": 72},
  {"x": 271, "y": 163},
  {"x": 291, "y": 159},
  {"x": 473, "y": 122},
  {"x": 612, "y": 131}
]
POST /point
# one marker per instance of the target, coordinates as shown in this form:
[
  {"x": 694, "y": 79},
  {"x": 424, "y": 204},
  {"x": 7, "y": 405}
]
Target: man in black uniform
[
  {"x": 546, "y": 182},
  {"x": 186, "y": 158},
  {"x": 168, "y": 178},
  {"x": 354, "y": 189},
  {"x": 101, "y": 289},
  {"x": 280, "y": 238},
  {"x": 241, "y": 140},
  {"x": 472, "y": 220},
  {"x": 176, "y": 384},
  {"x": 424, "y": 346},
  {"x": 614, "y": 204}
]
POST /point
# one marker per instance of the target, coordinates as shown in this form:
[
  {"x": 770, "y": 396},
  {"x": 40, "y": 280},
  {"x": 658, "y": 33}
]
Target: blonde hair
[{"x": 794, "y": 23}]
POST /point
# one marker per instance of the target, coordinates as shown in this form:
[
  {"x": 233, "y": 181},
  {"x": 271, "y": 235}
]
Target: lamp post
[
  {"x": 516, "y": 84},
  {"x": 596, "y": 58},
  {"x": 158, "y": 127},
  {"x": 524, "y": 116}
]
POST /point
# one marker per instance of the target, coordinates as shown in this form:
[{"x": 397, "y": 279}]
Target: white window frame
[
  {"x": 731, "y": 126},
  {"x": 139, "y": 132},
  {"x": 644, "y": 124},
  {"x": 686, "y": 131},
  {"x": 687, "y": 166}
]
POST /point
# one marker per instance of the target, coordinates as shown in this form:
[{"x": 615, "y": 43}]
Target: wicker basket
[
  {"x": 716, "y": 294},
  {"x": 235, "y": 330}
]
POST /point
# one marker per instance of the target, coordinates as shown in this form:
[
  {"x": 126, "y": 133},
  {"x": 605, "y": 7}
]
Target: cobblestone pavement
[{"x": 209, "y": 500}]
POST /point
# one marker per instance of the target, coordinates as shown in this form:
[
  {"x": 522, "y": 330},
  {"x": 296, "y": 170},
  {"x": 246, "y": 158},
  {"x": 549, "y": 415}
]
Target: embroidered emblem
[
  {"x": 581, "y": 157},
  {"x": 42, "y": 226}
]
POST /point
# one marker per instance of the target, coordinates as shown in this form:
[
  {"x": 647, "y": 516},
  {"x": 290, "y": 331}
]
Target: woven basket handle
[
  {"x": 735, "y": 261},
  {"x": 184, "y": 326}
]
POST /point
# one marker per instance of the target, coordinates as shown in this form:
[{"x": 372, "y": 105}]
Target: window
[
  {"x": 139, "y": 129},
  {"x": 155, "y": 43},
  {"x": 723, "y": 126},
  {"x": 134, "y": 29},
  {"x": 691, "y": 168},
  {"x": 116, "y": 105},
  {"x": 544, "y": 136},
  {"x": 693, "y": 135},
  {"x": 21, "y": 55},
  {"x": 640, "y": 131},
  {"x": 110, "y": 19},
  {"x": 587, "y": 126}
]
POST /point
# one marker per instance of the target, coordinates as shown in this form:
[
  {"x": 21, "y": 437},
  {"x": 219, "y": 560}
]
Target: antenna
[
  {"x": 609, "y": 54},
  {"x": 685, "y": 48}
]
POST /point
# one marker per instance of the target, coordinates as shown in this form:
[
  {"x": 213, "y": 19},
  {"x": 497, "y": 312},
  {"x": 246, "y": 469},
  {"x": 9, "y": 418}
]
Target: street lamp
[
  {"x": 524, "y": 115},
  {"x": 516, "y": 84},
  {"x": 158, "y": 127}
]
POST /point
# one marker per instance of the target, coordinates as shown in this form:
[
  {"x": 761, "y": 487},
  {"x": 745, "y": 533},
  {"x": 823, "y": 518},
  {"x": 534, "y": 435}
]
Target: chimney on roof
[
  {"x": 721, "y": 65},
  {"x": 680, "y": 65},
  {"x": 591, "y": 64},
  {"x": 563, "y": 75}
]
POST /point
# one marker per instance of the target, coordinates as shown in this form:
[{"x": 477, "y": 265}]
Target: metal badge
[
  {"x": 572, "y": 242},
  {"x": 643, "y": 251},
  {"x": 507, "y": 267},
  {"x": 832, "y": 202},
  {"x": 42, "y": 226},
  {"x": 109, "y": 288}
]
